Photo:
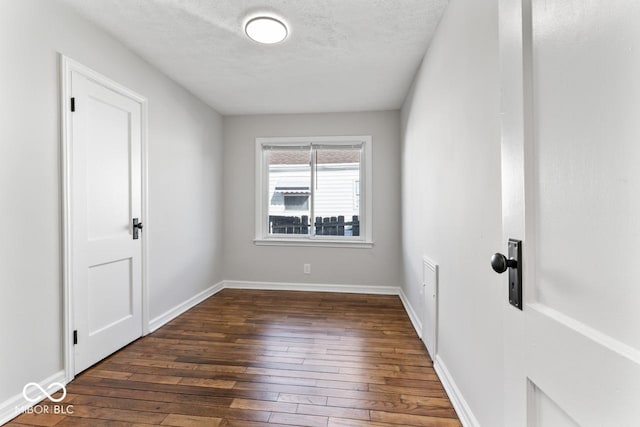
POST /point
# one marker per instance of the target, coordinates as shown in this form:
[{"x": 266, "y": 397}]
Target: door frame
[{"x": 67, "y": 66}]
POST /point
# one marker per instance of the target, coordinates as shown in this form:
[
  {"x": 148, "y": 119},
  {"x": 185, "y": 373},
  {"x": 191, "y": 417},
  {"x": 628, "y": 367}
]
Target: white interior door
[
  {"x": 105, "y": 197},
  {"x": 571, "y": 191}
]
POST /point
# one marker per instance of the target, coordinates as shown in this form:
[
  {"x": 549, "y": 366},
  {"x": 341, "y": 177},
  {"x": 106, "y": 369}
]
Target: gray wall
[
  {"x": 379, "y": 266},
  {"x": 451, "y": 197},
  {"x": 185, "y": 182}
]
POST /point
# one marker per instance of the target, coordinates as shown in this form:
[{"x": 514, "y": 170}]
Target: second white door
[{"x": 105, "y": 153}]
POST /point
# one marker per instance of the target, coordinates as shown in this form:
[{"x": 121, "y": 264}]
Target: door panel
[
  {"x": 580, "y": 368},
  {"x": 108, "y": 173},
  {"x": 109, "y": 292},
  {"x": 570, "y": 190},
  {"x": 106, "y": 196},
  {"x": 587, "y": 156},
  {"x": 546, "y": 412}
]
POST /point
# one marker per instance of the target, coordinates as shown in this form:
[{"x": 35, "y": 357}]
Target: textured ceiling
[{"x": 341, "y": 55}]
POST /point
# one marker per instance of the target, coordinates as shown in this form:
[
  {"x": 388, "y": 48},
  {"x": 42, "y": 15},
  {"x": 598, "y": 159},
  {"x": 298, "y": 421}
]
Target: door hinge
[
  {"x": 73, "y": 104},
  {"x": 75, "y": 337}
]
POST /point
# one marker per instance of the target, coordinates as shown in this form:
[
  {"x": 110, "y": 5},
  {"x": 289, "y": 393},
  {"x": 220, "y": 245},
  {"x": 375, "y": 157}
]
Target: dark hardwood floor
[{"x": 258, "y": 358}]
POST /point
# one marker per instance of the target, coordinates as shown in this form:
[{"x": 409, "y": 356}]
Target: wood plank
[
  {"x": 156, "y": 379},
  {"x": 262, "y": 405},
  {"x": 117, "y": 414},
  {"x": 345, "y": 422},
  {"x": 95, "y": 422},
  {"x": 150, "y": 406},
  {"x": 299, "y": 420},
  {"x": 208, "y": 382},
  {"x": 302, "y": 398},
  {"x": 101, "y": 373},
  {"x": 441, "y": 408},
  {"x": 413, "y": 420},
  {"x": 191, "y": 421},
  {"x": 36, "y": 419},
  {"x": 332, "y": 411}
]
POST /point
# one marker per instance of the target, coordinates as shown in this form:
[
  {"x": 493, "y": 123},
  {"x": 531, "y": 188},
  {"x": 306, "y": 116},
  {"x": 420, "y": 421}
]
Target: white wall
[
  {"x": 378, "y": 266},
  {"x": 451, "y": 198},
  {"x": 185, "y": 182}
]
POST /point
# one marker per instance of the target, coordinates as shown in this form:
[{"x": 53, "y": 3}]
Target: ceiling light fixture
[{"x": 266, "y": 30}]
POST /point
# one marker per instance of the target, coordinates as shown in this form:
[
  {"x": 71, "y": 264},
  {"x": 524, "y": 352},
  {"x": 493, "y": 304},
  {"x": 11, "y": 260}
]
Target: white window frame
[{"x": 262, "y": 237}]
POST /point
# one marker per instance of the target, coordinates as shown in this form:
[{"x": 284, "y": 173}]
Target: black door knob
[
  {"x": 138, "y": 225},
  {"x": 500, "y": 263}
]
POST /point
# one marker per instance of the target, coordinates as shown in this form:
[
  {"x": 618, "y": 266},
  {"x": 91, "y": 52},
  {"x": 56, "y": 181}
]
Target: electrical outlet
[{"x": 307, "y": 269}]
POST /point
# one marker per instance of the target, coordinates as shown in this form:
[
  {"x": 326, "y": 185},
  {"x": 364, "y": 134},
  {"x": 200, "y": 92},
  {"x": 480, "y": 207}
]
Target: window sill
[{"x": 319, "y": 243}]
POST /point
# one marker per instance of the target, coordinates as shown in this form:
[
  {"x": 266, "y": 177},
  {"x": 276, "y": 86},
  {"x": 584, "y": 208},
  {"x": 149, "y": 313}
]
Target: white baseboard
[
  {"x": 14, "y": 406},
  {"x": 415, "y": 320},
  {"x": 457, "y": 400},
  {"x": 312, "y": 287},
  {"x": 176, "y": 311}
]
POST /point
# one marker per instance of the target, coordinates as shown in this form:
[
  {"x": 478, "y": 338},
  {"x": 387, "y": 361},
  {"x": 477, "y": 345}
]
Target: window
[{"x": 313, "y": 191}]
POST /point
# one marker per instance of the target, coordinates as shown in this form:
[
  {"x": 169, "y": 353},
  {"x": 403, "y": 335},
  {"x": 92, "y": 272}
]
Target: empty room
[{"x": 320, "y": 213}]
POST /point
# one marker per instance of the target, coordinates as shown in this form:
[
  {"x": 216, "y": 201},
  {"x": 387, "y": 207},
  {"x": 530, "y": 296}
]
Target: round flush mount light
[{"x": 266, "y": 30}]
